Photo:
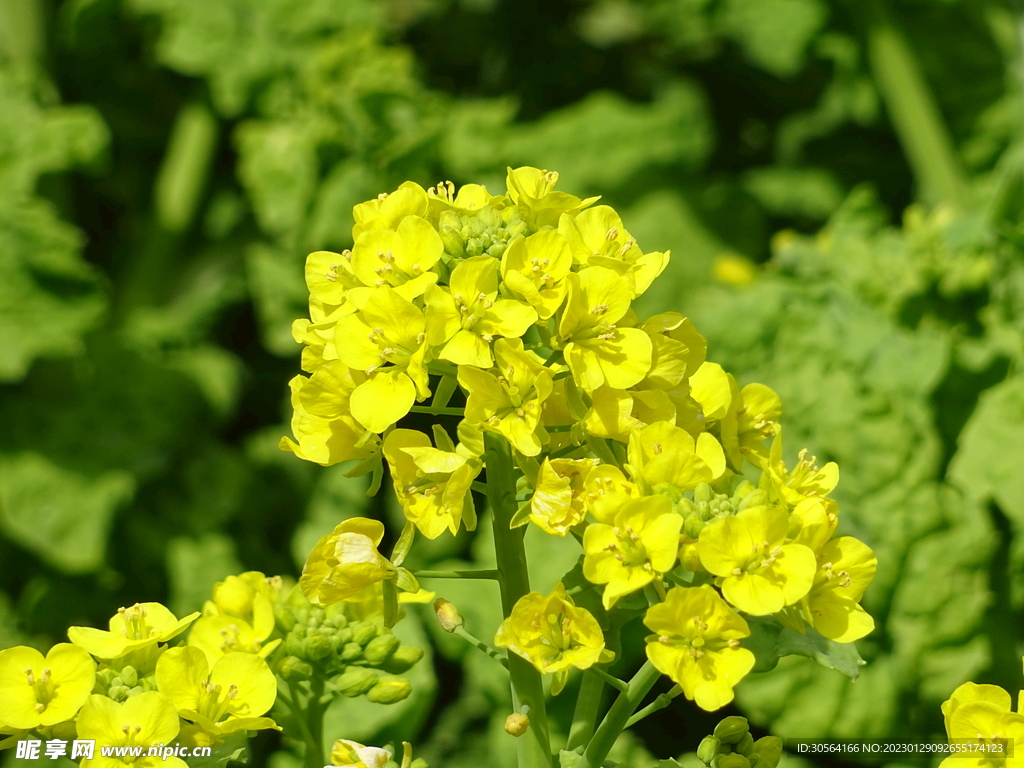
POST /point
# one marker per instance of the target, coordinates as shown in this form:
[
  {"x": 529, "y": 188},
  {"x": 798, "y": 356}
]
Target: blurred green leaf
[
  {"x": 195, "y": 565},
  {"x": 770, "y": 641}
]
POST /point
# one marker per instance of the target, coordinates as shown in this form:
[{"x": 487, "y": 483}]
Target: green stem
[
  {"x": 659, "y": 703},
  {"x": 618, "y": 716},
  {"x": 437, "y": 411},
  {"x": 494, "y": 653},
  {"x": 533, "y": 747},
  {"x": 584, "y": 717},
  {"x": 913, "y": 111},
  {"x": 481, "y": 574},
  {"x": 614, "y": 682}
]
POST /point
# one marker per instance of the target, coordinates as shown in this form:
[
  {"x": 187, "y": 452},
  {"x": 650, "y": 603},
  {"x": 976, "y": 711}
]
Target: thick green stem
[
  {"x": 588, "y": 705},
  {"x": 514, "y": 579},
  {"x": 618, "y": 716},
  {"x": 913, "y": 111}
]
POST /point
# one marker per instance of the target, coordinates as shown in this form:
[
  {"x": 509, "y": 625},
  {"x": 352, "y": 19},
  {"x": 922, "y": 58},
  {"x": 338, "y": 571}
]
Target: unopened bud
[
  {"x": 294, "y": 668},
  {"x": 733, "y": 761},
  {"x": 318, "y": 647},
  {"x": 356, "y": 681},
  {"x": 731, "y": 729},
  {"x": 703, "y": 492},
  {"x": 693, "y": 526},
  {"x": 351, "y": 651},
  {"x": 129, "y": 676},
  {"x": 403, "y": 659},
  {"x": 389, "y": 690},
  {"x": 516, "y": 724},
  {"x": 708, "y": 749},
  {"x": 364, "y": 633},
  {"x": 745, "y": 746},
  {"x": 380, "y": 649},
  {"x": 448, "y": 615},
  {"x": 769, "y": 748}
]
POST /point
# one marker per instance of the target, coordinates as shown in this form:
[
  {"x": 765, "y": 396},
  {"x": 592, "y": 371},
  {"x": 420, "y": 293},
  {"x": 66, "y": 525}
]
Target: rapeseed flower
[
  {"x": 344, "y": 562},
  {"x": 140, "y": 626},
  {"x": 42, "y": 691},
  {"x": 142, "y": 721},
  {"x": 558, "y": 501}
]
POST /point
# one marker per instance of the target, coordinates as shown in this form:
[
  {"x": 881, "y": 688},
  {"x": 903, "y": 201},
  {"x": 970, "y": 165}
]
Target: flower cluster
[
  {"x": 143, "y": 681},
  {"x": 513, "y": 311},
  {"x": 983, "y": 715}
]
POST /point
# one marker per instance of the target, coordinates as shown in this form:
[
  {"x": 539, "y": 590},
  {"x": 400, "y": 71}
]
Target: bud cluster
[
  {"x": 122, "y": 684},
  {"x": 490, "y": 231},
  {"x": 704, "y": 504},
  {"x": 732, "y": 746},
  {"x": 353, "y": 654}
]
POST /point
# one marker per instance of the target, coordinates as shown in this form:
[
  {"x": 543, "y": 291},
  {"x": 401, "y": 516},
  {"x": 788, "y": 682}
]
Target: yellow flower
[
  {"x": 616, "y": 413},
  {"x": 533, "y": 191},
  {"x": 468, "y": 317},
  {"x": 597, "y": 350},
  {"x": 535, "y": 267},
  {"x": 345, "y": 561},
  {"x": 470, "y": 197},
  {"x": 597, "y": 238},
  {"x": 352, "y": 754},
  {"x": 322, "y": 421},
  {"x": 665, "y": 453},
  {"x": 230, "y": 697},
  {"x": 845, "y": 569},
  {"x": 385, "y": 339},
  {"x": 982, "y": 714},
  {"x": 553, "y": 634},
  {"x": 678, "y": 350},
  {"x": 696, "y": 643},
  {"x": 402, "y": 259},
  {"x": 388, "y": 210},
  {"x": 606, "y": 489},
  {"x": 141, "y": 626},
  {"x": 221, "y": 634},
  {"x": 508, "y": 401},
  {"x": 806, "y": 479},
  {"x": 37, "y": 691},
  {"x": 431, "y": 485},
  {"x": 558, "y": 502},
  {"x": 639, "y": 546},
  {"x": 761, "y": 574},
  {"x": 144, "y": 720}
]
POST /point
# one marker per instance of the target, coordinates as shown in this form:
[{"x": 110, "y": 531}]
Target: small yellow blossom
[
  {"x": 616, "y": 413},
  {"x": 639, "y": 546},
  {"x": 533, "y": 190},
  {"x": 805, "y": 480},
  {"x": 761, "y": 574},
  {"x": 558, "y": 502},
  {"x": 345, "y": 561},
  {"x": 696, "y": 643},
  {"x": 431, "y": 485},
  {"x": 597, "y": 350},
  {"x": 221, "y": 634},
  {"x": 665, "y": 453},
  {"x": 37, "y": 691},
  {"x": 845, "y": 569},
  {"x": 535, "y": 267},
  {"x": 553, "y": 634},
  {"x": 230, "y": 697},
  {"x": 401, "y": 259},
  {"x": 982, "y": 714},
  {"x": 389, "y": 210},
  {"x": 386, "y": 341},
  {"x": 466, "y": 319},
  {"x": 141, "y": 626},
  {"x": 678, "y": 350},
  {"x": 142, "y": 721},
  {"x": 508, "y": 400}
]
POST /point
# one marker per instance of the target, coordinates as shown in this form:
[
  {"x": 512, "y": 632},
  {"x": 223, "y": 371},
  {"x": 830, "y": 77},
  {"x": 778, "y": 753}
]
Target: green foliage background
[{"x": 165, "y": 166}]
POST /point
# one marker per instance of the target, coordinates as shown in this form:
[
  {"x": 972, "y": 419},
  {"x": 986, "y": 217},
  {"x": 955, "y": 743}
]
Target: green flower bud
[
  {"x": 756, "y": 761},
  {"x": 474, "y": 247},
  {"x": 452, "y": 242},
  {"x": 351, "y": 651},
  {"x": 389, "y": 690},
  {"x": 403, "y": 660},
  {"x": 731, "y": 729},
  {"x": 294, "y": 668},
  {"x": 497, "y": 250},
  {"x": 318, "y": 647},
  {"x": 752, "y": 499},
  {"x": 745, "y": 746},
  {"x": 693, "y": 526},
  {"x": 419, "y": 762},
  {"x": 770, "y": 750},
  {"x": 284, "y": 617},
  {"x": 356, "y": 681},
  {"x": 733, "y": 761},
  {"x": 703, "y": 492},
  {"x": 118, "y": 693},
  {"x": 134, "y": 690},
  {"x": 294, "y": 644},
  {"x": 380, "y": 649},
  {"x": 129, "y": 676},
  {"x": 704, "y": 510},
  {"x": 363, "y": 633},
  {"x": 104, "y": 679},
  {"x": 708, "y": 749}
]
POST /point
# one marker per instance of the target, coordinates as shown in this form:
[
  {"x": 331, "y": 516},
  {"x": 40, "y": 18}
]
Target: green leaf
[
  {"x": 774, "y": 34},
  {"x": 60, "y": 515},
  {"x": 770, "y": 641}
]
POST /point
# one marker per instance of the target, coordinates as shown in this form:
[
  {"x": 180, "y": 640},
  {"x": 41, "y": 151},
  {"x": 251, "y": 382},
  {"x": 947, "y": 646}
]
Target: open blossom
[
  {"x": 41, "y": 691},
  {"x": 344, "y": 562},
  {"x": 140, "y": 626}
]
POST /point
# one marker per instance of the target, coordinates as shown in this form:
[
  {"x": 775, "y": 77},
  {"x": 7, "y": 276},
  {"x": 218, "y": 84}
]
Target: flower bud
[
  {"x": 129, "y": 676},
  {"x": 452, "y": 242},
  {"x": 363, "y": 633},
  {"x": 356, "y": 681},
  {"x": 294, "y": 644},
  {"x": 351, "y": 651},
  {"x": 294, "y": 668},
  {"x": 733, "y": 761},
  {"x": 731, "y": 729},
  {"x": 703, "y": 492},
  {"x": 448, "y": 615},
  {"x": 389, "y": 690},
  {"x": 516, "y": 724},
  {"x": 318, "y": 647},
  {"x": 403, "y": 659},
  {"x": 770, "y": 750},
  {"x": 745, "y": 746},
  {"x": 380, "y": 649},
  {"x": 708, "y": 749},
  {"x": 419, "y": 762},
  {"x": 693, "y": 526},
  {"x": 117, "y": 693}
]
